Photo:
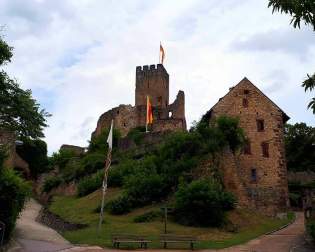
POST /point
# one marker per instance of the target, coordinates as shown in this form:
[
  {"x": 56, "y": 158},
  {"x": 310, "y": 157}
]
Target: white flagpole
[{"x": 107, "y": 166}]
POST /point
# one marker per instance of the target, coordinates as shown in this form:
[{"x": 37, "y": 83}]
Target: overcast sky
[{"x": 79, "y": 56}]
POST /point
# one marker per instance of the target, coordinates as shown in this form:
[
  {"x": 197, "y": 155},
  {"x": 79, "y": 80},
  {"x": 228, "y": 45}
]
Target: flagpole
[
  {"x": 107, "y": 166},
  {"x": 160, "y": 53}
]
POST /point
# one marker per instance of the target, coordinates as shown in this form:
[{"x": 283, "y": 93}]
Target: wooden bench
[
  {"x": 117, "y": 239},
  {"x": 168, "y": 238}
]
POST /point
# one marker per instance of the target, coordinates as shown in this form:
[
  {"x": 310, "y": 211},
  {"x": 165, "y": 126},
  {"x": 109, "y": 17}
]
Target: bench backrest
[
  {"x": 177, "y": 238},
  {"x": 128, "y": 237}
]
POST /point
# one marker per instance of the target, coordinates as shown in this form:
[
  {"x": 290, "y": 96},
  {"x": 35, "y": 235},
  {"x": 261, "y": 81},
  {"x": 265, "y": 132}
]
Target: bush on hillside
[
  {"x": 145, "y": 188},
  {"x": 93, "y": 162},
  {"x": 119, "y": 172},
  {"x": 202, "y": 203},
  {"x": 90, "y": 183},
  {"x": 13, "y": 193},
  {"x": 50, "y": 183},
  {"x": 137, "y": 134},
  {"x": 99, "y": 143},
  {"x": 61, "y": 158},
  {"x": 120, "y": 205}
]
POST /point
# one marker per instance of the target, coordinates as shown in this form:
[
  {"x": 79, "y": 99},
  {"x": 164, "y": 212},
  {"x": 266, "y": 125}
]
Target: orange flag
[
  {"x": 149, "y": 111},
  {"x": 162, "y": 54}
]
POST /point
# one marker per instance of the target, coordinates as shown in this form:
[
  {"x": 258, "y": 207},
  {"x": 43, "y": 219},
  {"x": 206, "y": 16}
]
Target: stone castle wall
[
  {"x": 263, "y": 179},
  {"x": 152, "y": 81}
]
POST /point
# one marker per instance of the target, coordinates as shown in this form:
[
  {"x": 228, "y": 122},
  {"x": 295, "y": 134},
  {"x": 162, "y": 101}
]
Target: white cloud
[{"x": 79, "y": 56}]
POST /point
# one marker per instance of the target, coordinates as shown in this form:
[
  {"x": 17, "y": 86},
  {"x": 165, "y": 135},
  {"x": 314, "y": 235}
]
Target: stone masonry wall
[
  {"x": 151, "y": 81},
  {"x": 269, "y": 191}
]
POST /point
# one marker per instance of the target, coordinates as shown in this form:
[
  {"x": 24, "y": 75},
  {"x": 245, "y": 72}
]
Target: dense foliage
[
  {"x": 300, "y": 10},
  {"x": 51, "y": 182},
  {"x": 34, "y": 152},
  {"x": 300, "y": 147},
  {"x": 90, "y": 183},
  {"x": 202, "y": 203},
  {"x": 19, "y": 111},
  {"x": 158, "y": 174},
  {"x": 13, "y": 193}
]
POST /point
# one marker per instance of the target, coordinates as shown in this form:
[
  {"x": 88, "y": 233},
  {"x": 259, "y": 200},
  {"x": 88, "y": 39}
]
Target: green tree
[
  {"x": 202, "y": 203},
  {"x": 19, "y": 111},
  {"x": 300, "y": 147},
  {"x": 301, "y": 11},
  {"x": 34, "y": 152}
]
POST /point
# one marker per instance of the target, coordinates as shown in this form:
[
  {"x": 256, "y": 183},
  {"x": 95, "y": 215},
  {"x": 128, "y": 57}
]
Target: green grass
[{"x": 82, "y": 210}]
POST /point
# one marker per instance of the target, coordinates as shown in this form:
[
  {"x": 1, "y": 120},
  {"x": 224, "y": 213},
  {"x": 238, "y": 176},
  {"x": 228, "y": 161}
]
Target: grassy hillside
[{"x": 82, "y": 210}]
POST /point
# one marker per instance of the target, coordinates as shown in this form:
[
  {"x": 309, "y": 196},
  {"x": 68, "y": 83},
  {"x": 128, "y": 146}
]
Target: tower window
[
  {"x": 159, "y": 100},
  {"x": 170, "y": 114},
  {"x": 265, "y": 149},
  {"x": 253, "y": 175},
  {"x": 247, "y": 148},
  {"x": 246, "y": 91},
  {"x": 260, "y": 125},
  {"x": 245, "y": 103}
]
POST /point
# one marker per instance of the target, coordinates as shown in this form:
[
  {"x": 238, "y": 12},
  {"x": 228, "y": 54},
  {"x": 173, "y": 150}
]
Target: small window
[
  {"x": 159, "y": 100},
  {"x": 125, "y": 124},
  {"x": 246, "y": 91},
  {"x": 247, "y": 148},
  {"x": 245, "y": 103},
  {"x": 117, "y": 112},
  {"x": 260, "y": 125},
  {"x": 253, "y": 175},
  {"x": 265, "y": 149},
  {"x": 170, "y": 114}
]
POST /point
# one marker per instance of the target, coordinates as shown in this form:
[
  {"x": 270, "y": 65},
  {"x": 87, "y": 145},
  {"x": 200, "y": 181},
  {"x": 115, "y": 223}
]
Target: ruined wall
[
  {"x": 13, "y": 160},
  {"x": 7, "y": 139},
  {"x": 124, "y": 116},
  {"x": 269, "y": 191},
  {"x": 75, "y": 149},
  {"x": 151, "y": 81}
]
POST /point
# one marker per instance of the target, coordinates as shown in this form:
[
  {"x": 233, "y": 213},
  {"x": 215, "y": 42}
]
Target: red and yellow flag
[{"x": 149, "y": 111}]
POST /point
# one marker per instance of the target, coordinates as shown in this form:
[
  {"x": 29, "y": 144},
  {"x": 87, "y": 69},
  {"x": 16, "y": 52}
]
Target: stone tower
[{"x": 152, "y": 81}]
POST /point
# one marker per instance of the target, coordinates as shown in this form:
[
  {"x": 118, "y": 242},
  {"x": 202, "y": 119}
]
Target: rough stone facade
[
  {"x": 258, "y": 176},
  {"x": 77, "y": 150},
  {"x": 152, "y": 81},
  {"x": 13, "y": 160}
]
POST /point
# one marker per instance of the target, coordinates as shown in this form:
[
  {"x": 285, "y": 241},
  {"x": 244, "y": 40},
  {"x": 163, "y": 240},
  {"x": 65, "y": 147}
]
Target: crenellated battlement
[{"x": 150, "y": 69}]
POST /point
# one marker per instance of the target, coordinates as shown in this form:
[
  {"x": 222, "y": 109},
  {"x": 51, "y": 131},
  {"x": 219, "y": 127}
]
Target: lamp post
[{"x": 166, "y": 211}]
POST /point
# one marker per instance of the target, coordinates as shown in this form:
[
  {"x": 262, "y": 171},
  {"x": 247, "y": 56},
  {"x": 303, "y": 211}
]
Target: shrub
[
  {"x": 93, "y": 162},
  {"x": 119, "y": 172},
  {"x": 145, "y": 188},
  {"x": 90, "y": 183},
  {"x": 148, "y": 216},
  {"x": 137, "y": 134},
  {"x": 13, "y": 193},
  {"x": 120, "y": 205},
  {"x": 51, "y": 182},
  {"x": 99, "y": 144},
  {"x": 202, "y": 203},
  {"x": 34, "y": 152},
  {"x": 61, "y": 158}
]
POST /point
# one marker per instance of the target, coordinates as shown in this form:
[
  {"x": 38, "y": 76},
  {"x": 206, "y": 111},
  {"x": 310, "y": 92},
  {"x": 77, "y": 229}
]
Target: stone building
[
  {"x": 258, "y": 175},
  {"x": 152, "y": 81},
  {"x": 13, "y": 160}
]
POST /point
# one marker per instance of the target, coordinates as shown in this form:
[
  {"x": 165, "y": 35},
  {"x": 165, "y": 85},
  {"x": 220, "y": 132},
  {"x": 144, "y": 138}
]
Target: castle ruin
[{"x": 152, "y": 81}]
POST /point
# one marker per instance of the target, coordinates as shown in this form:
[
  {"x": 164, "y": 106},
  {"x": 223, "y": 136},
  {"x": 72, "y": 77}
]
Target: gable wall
[{"x": 270, "y": 191}]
